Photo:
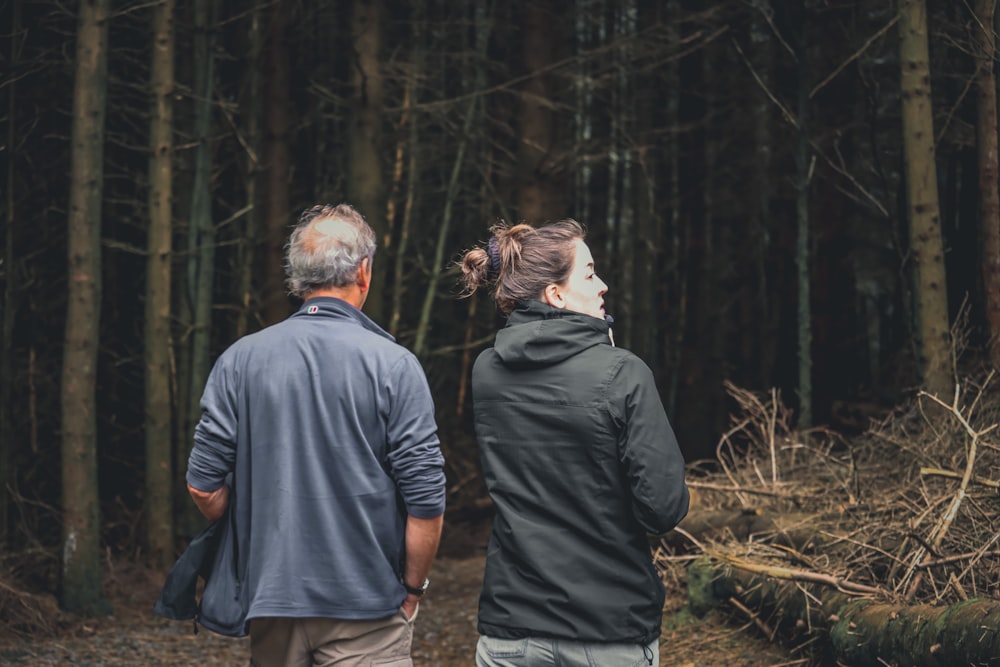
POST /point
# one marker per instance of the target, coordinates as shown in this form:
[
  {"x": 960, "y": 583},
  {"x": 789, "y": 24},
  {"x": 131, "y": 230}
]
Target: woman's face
[{"x": 583, "y": 292}]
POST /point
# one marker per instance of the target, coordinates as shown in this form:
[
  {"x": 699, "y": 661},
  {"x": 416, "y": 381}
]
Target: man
[{"x": 327, "y": 426}]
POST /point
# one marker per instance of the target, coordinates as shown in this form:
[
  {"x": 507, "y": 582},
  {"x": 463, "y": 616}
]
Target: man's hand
[
  {"x": 410, "y": 604},
  {"x": 210, "y": 503}
]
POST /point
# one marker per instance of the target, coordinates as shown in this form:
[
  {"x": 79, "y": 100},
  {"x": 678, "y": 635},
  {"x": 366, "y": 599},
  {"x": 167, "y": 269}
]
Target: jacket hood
[{"x": 539, "y": 335}]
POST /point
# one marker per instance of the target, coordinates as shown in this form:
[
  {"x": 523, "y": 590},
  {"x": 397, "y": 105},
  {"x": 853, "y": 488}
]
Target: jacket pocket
[
  {"x": 224, "y": 604},
  {"x": 504, "y": 648},
  {"x": 630, "y": 655}
]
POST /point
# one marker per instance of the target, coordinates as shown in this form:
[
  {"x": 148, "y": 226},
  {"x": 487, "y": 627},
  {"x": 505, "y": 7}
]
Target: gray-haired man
[{"x": 327, "y": 426}]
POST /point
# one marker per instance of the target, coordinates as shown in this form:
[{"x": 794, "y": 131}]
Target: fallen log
[
  {"x": 856, "y": 631},
  {"x": 798, "y": 531},
  {"x": 966, "y": 633}
]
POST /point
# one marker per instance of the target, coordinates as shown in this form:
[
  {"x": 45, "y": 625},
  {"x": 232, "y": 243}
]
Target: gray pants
[{"x": 543, "y": 652}]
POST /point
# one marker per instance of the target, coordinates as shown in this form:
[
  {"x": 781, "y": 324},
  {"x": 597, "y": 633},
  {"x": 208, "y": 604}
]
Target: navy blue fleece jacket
[{"x": 328, "y": 428}]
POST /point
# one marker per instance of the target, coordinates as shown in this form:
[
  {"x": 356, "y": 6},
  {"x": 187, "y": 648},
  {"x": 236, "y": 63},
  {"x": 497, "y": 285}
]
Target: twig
[
  {"x": 956, "y": 503},
  {"x": 938, "y": 472},
  {"x": 741, "y": 489},
  {"x": 792, "y": 120},
  {"x": 978, "y": 557},
  {"x": 853, "y": 57},
  {"x": 955, "y": 558},
  {"x": 724, "y": 440},
  {"x": 792, "y": 574},
  {"x": 761, "y": 625},
  {"x": 694, "y": 540},
  {"x": 772, "y": 418}
]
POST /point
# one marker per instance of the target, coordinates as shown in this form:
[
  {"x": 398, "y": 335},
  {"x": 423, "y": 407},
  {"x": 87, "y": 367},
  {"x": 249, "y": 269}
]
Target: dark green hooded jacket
[{"x": 581, "y": 463}]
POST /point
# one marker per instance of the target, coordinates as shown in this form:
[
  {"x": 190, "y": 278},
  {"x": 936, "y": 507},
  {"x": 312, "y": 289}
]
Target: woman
[{"x": 579, "y": 460}]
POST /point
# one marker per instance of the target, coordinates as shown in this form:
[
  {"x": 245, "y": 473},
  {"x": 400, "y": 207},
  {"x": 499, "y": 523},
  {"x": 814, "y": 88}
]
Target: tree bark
[
  {"x": 251, "y": 166},
  {"x": 922, "y": 200},
  {"x": 537, "y": 196},
  {"x": 802, "y": 247},
  {"x": 81, "y": 566},
  {"x": 364, "y": 171},
  {"x": 675, "y": 239},
  {"x": 583, "y": 116},
  {"x": 159, "y": 503},
  {"x": 648, "y": 227},
  {"x": 9, "y": 288},
  {"x": 201, "y": 240},
  {"x": 410, "y": 116},
  {"x": 989, "y": 197},
  {"x": 276, "y": 305},
  {"x": 759, "y": 341}
]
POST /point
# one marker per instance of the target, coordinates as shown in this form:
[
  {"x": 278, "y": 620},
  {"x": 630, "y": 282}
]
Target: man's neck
[{"x": 351, "y": 295}]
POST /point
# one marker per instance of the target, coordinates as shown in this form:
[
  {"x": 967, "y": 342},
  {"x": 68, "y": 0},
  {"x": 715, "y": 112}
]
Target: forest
[{"x": 794, "y": 197}]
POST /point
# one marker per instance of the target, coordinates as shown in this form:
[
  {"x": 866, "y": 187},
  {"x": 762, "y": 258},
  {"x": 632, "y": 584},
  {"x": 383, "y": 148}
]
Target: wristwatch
[{"x": 416, "y": 591}]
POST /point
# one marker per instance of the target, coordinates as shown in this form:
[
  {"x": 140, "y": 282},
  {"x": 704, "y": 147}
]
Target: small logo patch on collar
[{"x": 312, "y": 310}]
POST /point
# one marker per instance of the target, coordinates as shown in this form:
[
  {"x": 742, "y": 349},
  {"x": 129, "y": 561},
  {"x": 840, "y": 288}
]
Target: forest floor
[
  {"x": 888, "y": 511},
  {"x": 445, "y": 634}
]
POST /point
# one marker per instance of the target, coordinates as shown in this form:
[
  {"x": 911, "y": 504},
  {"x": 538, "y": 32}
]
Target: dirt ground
[{"x": 445, "y": 629}]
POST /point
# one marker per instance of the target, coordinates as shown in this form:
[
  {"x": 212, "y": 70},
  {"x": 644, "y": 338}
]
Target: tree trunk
[
  {"x": 159, "y": 503},
  {"x": 710, "y": 315},
  {"x": 9, "y": 289},
  {"x": 648, "y": 226},
  {"x": 326, "y": 147},
  {"x": 931, "y": 296},
  {"x": 201, "y": 240},
  {"x": 583, "y": 116},
  {"x": 478, "y": 81},
  {"x": 802, "y": 247},
  {"x": 760, "y": 338},
  {"x": 675, "y": 244},
  {"x": 989, "y": 197},
  {"x": 869, "y": 634},
  {"x": 402, "y": 240},
  {"x": 364, "y": 173},
  {"x": 538, "y": 198},
  {"x": 81, "y": 565},
  {"x": 248, "y": 242},
  {"x": 619, "y": 214},
  {"x": 276, "y": 305},
  {"x": 859, "y": 632},
  {"x": 411, "y": 147}
]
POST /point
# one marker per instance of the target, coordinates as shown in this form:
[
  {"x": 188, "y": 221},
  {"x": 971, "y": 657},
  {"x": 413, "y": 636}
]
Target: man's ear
[
  {"x": 364, "y": 277},
  {"x": 553, "y": 296}
]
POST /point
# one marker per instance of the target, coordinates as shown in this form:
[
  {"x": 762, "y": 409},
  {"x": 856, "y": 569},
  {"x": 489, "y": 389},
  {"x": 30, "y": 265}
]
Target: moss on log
[
  {"x": 967, "y": 633},
  {"x": 857, "y": 632}
]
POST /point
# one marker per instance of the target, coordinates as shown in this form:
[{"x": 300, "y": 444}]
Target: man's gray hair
[{"x": 324, "y": 256}]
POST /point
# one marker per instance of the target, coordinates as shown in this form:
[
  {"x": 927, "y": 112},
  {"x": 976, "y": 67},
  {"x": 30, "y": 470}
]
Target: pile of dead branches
[
  {"x": 25, "y": 614},
  {"x": 814, "y": 536}
]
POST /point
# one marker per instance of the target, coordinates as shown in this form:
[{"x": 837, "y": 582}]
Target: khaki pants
[{"x": 329, "y": 642}]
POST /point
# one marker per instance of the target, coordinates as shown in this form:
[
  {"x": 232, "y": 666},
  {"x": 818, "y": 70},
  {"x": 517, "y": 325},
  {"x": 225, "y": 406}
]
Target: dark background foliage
[{"x": 668, "y": 128}]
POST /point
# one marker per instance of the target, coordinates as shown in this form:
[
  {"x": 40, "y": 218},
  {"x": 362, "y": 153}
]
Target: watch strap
[{"x": 417, "y": 591}]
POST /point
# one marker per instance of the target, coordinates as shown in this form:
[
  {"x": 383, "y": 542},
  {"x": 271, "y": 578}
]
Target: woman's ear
[{"x": 553, "y": 296}]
